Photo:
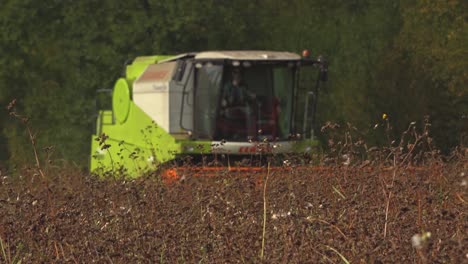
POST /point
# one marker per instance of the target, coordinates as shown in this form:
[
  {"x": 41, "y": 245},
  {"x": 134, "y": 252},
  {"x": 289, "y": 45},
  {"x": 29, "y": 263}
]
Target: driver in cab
[
  {"x": 235, "y": 92},
  {"x": 237, "y": 104}
]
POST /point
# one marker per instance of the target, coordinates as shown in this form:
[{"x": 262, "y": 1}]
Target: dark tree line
[{"x": 403, "y": 58}]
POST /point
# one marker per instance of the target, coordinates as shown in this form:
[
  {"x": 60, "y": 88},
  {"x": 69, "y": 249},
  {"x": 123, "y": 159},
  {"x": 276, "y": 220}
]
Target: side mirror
[
  {"x": 323, "y": 68},
  {"x": 324, "y": 74}
]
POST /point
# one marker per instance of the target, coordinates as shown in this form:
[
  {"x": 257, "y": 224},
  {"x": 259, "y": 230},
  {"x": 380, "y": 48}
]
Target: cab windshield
[{"x": 242, "y": 103}]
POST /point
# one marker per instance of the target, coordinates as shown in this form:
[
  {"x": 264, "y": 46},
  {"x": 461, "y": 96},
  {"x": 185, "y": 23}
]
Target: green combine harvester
[{"x": 222, "y": 104}]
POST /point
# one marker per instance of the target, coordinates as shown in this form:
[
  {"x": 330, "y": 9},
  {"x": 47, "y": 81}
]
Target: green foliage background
[{"x": 405, "y": 58}]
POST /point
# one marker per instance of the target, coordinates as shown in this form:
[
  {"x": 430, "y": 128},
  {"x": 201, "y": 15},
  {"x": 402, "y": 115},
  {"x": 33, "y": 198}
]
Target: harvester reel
[{"x": 121, "y": 100}]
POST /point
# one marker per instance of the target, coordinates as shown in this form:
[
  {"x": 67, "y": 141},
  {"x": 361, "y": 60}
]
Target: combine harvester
[{"x": 214, "y": 107}]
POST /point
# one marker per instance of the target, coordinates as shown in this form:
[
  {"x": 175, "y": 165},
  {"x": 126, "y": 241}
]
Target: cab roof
[{"x": 251, "y": 55}]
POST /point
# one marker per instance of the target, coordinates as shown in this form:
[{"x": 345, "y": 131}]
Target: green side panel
[
  {"x": 137, "y": 67},
  {"x": 138, "y": 145}
]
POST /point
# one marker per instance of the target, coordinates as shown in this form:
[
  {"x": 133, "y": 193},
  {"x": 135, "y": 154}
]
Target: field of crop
[{"x": 332, "y": 214}]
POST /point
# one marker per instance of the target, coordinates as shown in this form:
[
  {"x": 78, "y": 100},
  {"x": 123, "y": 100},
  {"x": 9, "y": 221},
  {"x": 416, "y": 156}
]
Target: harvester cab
[{"x": 213, "y": 103}]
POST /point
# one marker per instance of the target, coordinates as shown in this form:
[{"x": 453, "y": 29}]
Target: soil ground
[{"x": 330, "y": 215}]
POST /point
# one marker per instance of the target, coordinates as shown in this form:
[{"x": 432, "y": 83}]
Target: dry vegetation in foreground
[
  {"x": 336, "y": 214},
  {"x": 400, "y": 204}
]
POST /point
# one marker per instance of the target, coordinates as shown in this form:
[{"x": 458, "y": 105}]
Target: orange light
[{"x": 305, "y": 53}]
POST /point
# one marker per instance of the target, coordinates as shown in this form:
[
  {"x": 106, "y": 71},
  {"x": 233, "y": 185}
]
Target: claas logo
[{"x": 255, "y": 149}]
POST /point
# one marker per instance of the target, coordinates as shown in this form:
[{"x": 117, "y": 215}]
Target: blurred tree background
[{"x": 404, "y": 58}]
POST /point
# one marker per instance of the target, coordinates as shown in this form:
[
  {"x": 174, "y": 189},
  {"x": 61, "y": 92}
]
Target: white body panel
[{"x": 161, "y": 98}]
